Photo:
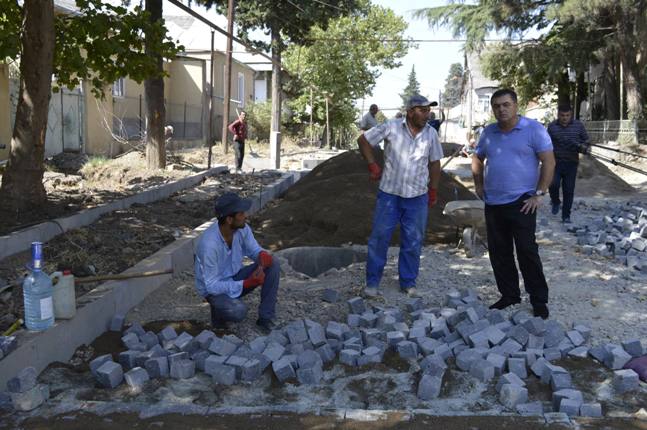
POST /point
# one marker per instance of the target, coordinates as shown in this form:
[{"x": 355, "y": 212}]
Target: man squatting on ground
[
  {"x": 239, "y": 129},
  {"x": 407, "y": 190},
  {"x": 219, "y": 273},
  {"x": 513, "y": 188},
  {"x": 569, "y": 139}
]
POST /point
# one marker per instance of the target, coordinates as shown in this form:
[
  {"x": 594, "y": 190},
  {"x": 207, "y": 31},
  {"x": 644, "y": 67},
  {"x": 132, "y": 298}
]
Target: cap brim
[{"x": 433, "y": 104}]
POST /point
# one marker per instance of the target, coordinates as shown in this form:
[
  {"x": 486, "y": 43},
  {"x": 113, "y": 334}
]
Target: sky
[{"x": 431, "y": 60}]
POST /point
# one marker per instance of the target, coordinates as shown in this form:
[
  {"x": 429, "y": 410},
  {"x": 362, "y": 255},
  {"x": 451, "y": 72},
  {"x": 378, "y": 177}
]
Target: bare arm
[
  {"x": 366, "y": 149},
  {"x": 477, "y": 173},
  {"x": 547, "y": 159},
  {"x": 434, "y": 174}
]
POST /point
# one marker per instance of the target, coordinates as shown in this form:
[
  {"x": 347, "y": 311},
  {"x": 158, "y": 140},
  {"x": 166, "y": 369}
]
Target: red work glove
[
  {"x": 433, "y": 198},
  {"x": 265, "y": 259},
  {"x": 375, "y": 171},
  {"x": 255, "y": 279}
]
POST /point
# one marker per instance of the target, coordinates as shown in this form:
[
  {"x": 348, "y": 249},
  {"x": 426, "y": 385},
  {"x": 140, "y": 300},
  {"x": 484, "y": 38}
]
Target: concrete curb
[
  {"x": 96, "y": 309},
  {"x": 21, "y": 240}
]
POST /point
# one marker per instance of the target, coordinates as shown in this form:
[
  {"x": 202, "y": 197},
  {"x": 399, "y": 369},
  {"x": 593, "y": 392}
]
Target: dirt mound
[
  {"x": 595, "y": 179},
  {"x": 333, "y": 205}
]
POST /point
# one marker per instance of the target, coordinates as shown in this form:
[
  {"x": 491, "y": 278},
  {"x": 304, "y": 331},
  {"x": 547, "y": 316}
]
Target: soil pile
[
  {"x": 595, "y": 179},
  {"x": 333, "y": 205}
]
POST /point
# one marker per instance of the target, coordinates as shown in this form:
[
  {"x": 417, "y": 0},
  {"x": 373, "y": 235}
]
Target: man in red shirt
[{"x": 239, "y": 129}]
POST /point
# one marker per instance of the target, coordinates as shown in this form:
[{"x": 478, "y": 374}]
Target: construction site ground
[{"x": 332, "y": 206}]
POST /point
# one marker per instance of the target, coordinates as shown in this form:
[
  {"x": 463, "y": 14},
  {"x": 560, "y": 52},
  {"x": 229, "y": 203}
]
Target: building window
[
  {"x": 484, "y": 103},
  {"x": 241, "y": 89},
  {"x": 119, "y": 88}
]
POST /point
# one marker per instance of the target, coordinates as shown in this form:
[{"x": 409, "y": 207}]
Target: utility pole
[
  {"x": 275, "y": 130},
  {"x": 210, "y": 132},
  {"x": 312, "y": 108},
  {"x": 227, "y": 92},
  {"x": 327, "y": 125}
]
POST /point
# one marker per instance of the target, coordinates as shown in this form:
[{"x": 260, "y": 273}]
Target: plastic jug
[
  {"x": 64, "y": 295},
  {"x": 37, "y": 292}
]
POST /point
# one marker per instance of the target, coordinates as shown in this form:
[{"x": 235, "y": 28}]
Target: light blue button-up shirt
[
  {"x": 512, "y": 164},
  {"x": 406, "y": 157},
  {"x": 216, "y": 264}
]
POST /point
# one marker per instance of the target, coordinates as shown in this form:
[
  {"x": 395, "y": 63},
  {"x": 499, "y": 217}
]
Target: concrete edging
[
  {"x": 21, "y": 240},
  {"x": 96, "y": 309}
]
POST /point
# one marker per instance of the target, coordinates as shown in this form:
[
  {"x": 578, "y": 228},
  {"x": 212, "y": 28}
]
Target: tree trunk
[
  {"x": 629, "y": 56},
  {"x": 22, "y": 183},
  {"x": 563, "y": 90},
  {"x": 154, "y": 94}
]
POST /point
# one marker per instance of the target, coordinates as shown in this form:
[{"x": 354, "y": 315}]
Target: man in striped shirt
[
  {"x": 407, "y": 190},
  {"x": 569, "y": 139}
]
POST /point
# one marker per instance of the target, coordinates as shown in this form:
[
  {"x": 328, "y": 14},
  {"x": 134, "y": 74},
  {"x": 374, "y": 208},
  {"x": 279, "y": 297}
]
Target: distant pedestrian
[
  {"x": 435, "y": 122},
  {"x": 569, "y": 140},
  {"x": 369, "y": 120},
  {"x": 512, "y": 186},
  {"x": 220, "y": 277},
  {"x": 239, "y": 129},
  {"x": 408, "y": 188}
]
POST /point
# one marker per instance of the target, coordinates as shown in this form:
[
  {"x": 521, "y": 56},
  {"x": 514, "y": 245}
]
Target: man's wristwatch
[{"x": 540, "y": 193}]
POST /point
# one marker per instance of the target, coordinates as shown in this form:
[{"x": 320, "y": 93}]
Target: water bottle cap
[{"x": 67, "y": 272}]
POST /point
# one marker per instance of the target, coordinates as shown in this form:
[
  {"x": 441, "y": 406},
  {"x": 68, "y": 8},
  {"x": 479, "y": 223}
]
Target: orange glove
[
  {"x": 433, "y": 198},
  {"x": 375, "y": 171},
  {"x": 265, "y": 259},
  {"x": 255, "y": 279}
]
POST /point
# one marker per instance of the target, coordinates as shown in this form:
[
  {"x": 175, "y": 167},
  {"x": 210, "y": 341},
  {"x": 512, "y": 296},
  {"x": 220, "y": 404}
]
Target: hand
[
  {"x": 530, "y": 205},
  {"x": 264, "y": 259},
  {"x": 433, "y": 197},
  {"x": 255, "y": 279},
  {"x": 375, "y": 171}
]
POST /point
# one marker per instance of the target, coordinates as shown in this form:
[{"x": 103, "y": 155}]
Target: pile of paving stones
[
  {"x": 621, "y": 234},
  {"x": 463, "y": 334},
  {"x": 26, "y": 394},
  {"x": 7, "y": 344}
]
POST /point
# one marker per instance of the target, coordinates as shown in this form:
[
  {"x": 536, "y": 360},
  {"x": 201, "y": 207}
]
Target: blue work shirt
[
  {"x": 512, "y": 165},
  {"x": 216, "y": 263}
]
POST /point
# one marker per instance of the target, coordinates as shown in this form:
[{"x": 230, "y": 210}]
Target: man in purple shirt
[
  {"x": 219, "y": 273},
  {"x": 512, "y": 186}
]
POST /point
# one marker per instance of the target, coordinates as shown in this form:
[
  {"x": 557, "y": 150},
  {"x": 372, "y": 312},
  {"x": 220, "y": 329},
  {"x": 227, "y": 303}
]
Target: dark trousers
[
  {"x": 565, "y": 175},
  {"x": 239, "y": 152},
  {"x": 508, "y": 228},
  {"x": 225, "y": 308}
]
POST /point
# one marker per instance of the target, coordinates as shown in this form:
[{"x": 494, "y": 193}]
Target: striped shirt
[
  {"x": 406, "y": 158},
  {"x": 568, "y": 141}
]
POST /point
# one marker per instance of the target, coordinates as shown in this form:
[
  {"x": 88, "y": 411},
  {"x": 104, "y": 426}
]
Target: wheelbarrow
[{"x": 468, "y": 215}]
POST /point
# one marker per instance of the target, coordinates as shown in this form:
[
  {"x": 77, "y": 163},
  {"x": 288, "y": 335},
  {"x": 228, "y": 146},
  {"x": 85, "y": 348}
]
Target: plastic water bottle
[{"x": 37, "y": 292}]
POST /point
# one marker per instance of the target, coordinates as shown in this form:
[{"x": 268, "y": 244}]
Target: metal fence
[
  {"x": 129, "y": 118},
  {"x": 626, "y": 131}
]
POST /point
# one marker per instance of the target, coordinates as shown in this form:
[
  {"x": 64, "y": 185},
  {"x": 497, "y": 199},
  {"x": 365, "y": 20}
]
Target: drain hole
[{"x": 315, "y": 260}]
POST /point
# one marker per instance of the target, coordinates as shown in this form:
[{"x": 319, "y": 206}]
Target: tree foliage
[
  {"x": 453, "y": 86},
  {"x": 342, "y": 62},
  {"x": 413, "y": 87}
]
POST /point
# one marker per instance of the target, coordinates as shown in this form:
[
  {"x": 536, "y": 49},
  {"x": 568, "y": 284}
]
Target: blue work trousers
[
  {"x": 564, "y": 178},
  {"x": 411, "y": 214},
  {"x": 225, "y": 308}
]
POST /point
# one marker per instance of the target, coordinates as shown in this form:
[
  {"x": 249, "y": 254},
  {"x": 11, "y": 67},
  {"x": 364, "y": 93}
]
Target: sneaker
[
  {"x": 540, "y": 310},
  {"x": 411, "y": 292},
  {"x": 372, "y": 292},
  {"x": 566, "y": 220},
  {"x": 265, "y": 324},
  {"x": 504, "y": 302},
  {"x": 555, "y": 207}
]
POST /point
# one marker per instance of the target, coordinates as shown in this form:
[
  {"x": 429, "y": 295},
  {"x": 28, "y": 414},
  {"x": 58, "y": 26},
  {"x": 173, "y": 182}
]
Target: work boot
[
  {"x": 566, "y": 220},
  {"x": 266, "y": 325},
  {"x": 555, "y": 207},
  {"x": 504, "y": 302},
  {"x": 411, "y": 292},
  {"x": 540, "y": 310},
  {"x": 372, "y": 292}
]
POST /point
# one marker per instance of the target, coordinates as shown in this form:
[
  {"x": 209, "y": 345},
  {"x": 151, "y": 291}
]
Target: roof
[{"x": 478, "y": 79}]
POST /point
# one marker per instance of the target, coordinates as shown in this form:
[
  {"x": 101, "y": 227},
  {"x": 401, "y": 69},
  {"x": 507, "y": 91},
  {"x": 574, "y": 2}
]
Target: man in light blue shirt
[
  {"x": 219, "y": 273},
  {"x": 512, "y": 186},
  {"x": 407, "y": 190}
]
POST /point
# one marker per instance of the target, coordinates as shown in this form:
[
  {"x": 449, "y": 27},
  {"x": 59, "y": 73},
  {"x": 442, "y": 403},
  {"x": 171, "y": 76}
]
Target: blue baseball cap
[
  {"x": 418, "y": 100},
  {"x": 230, "y": 204}
]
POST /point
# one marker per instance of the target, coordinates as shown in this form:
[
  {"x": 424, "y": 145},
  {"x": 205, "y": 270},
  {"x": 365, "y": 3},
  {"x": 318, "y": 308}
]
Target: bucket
[{"x": 64, "y": 296}]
